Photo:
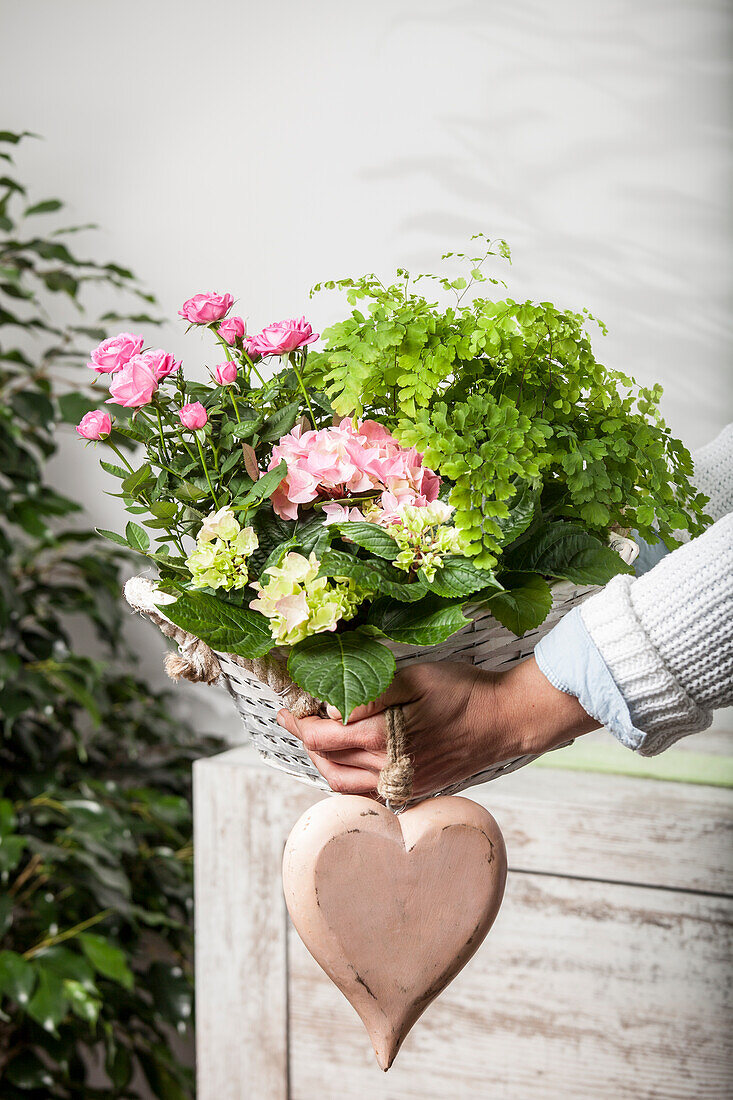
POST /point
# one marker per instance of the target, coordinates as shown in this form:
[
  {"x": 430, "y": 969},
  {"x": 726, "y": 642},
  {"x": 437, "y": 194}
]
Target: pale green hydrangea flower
[
  {"x": 298, "y": 602},
  {"x": 222, "y": 550},
  {"x": 423, "y": 536}
]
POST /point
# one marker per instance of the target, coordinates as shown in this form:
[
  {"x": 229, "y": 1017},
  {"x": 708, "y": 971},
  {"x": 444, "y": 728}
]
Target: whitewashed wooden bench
[{"x": 607, "y": 973}]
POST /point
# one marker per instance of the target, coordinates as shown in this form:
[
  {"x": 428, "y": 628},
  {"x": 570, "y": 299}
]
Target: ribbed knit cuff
[{"x": 657, "y": 703}]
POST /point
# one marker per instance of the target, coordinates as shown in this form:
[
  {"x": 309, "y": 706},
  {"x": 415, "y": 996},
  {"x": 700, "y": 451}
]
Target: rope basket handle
[
  {"x": 395, "y": 779},
  {"x": 197, "y": 662}
]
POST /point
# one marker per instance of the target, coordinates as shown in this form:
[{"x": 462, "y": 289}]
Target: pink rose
[
  {"x": 134, "y": 385},
  {"x": 111, "y": 355},
  {"x": 231, "y": 330},
  {"x": 161, "y": 363},
  {"x": 202, "y": 309},
  {"x": 94, "y": 425},
  {"x": 193, "y": 416},
  {"x": 226, "y": 373},
  {"x": 283, "y": 337},
  {"x": 248, "y": 346}
]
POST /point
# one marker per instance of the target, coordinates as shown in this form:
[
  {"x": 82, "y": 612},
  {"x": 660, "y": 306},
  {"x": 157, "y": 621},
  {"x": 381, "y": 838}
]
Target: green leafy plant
[
  {"x": 432, "y": 458},
  {"x": 95, "y": 820},
  {"x": 507, "y": 400}
]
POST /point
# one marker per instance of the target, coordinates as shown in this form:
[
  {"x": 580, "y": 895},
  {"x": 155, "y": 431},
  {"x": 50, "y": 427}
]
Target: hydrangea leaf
[
  {"x": 222, "y": 625},
  {"x": 524, "y": 603},
  {"x": 568, "y": 552},
  {"x": 429, "y": 622},
  {"x": 459, "y": 577},
  {"x": 346, "y": 670},
  {"x": 372, "y": 574},
  {"x": 372, "y": 537}
]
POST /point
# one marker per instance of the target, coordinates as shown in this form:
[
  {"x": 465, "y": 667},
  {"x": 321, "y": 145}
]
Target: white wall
[{"x": 258, "y": 147}]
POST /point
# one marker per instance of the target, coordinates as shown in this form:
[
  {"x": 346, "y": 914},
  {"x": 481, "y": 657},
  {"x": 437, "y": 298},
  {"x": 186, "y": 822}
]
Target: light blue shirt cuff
[{"x": 572, "y": 663}]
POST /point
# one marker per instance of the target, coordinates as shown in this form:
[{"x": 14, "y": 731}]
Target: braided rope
[{"x": 395, "y": 779}]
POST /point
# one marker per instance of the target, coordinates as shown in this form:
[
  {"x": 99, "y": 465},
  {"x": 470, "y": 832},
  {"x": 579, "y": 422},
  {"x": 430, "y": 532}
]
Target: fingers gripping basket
[{"x": 260, "y": 688}]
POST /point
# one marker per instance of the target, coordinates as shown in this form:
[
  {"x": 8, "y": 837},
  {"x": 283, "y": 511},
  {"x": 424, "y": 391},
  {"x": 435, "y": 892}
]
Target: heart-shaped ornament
[{"x": 393, "y": 906}]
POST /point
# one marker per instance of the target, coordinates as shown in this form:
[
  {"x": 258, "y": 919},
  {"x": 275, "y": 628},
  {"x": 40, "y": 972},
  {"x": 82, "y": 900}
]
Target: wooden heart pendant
[{"x": 392, "y": 907}]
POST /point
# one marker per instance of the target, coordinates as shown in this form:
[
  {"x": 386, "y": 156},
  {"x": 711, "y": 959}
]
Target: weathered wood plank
[
  {"x": 607, "y": 827},
  {"x": 241, "y": 991},
  {"x": 615, "y": 828},
  {"x": 581, "y": 990}
]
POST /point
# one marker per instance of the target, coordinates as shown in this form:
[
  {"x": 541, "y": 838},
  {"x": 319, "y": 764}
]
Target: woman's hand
[{"x": 458, "y": 719}]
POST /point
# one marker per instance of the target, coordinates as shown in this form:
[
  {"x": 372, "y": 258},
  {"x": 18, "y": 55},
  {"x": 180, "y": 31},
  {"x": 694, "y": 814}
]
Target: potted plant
[{"x": 439, "y": 479}]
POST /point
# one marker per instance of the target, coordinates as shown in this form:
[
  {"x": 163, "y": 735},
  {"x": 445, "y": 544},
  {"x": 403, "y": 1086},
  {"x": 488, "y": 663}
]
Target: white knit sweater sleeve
[{"x": 667, "y": 637}]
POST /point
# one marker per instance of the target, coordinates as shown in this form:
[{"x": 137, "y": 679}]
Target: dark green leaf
[
  {"x": 48, "y": 1005},
  {"x": 524, "y": 604},
  {"x": 172, "y": 993},
  {"x": 263, "y": 488},
  {"x": 567, "y": 551},
  {"x": 458, "y": 576},
  {"x": 221, "y": 625},
  {"x": 27, "y": 1071},
  {"x": 521, "y": 513},
  {"x": 106, "y": 958},
  {"x": 369, "y": 535},
  {"x": 137, "y": 480},
  {"x": 345, "y": 670},
  {"x": 112, "y": 536},
  {"x": 73, "y": 406},
  {"x": 17, "y": 977},
  {"x": 48, "y": 206},
  {"x": 280, "y": 423},
  {"x": 429, "y": 622},
  {"x": 373, "y": 574}
]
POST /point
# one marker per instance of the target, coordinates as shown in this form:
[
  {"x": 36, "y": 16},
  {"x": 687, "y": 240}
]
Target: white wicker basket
[{"x": 485, "y": 643}]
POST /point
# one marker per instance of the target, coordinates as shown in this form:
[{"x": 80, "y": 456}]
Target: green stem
[
  {"x": 252, "y": 367},
  {"x": 293, "y": 363},
  {"x": 119, "y": 454},
  {"x": 49, "y": 941},
  {"x": 206, "y": 470},
  {"x": 234, "y": 406},
  {"x": 160, "y": 433}
]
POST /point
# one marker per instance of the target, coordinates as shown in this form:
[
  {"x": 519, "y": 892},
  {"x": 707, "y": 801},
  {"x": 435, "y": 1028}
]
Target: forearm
[
  {"x": 521, "y": 711},
  {"x": 651, "y": 658}
]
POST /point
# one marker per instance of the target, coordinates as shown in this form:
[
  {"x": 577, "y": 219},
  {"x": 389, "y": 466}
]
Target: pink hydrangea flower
[
  {"x": 231, "y": 330},
  {"x": 193, "y": 415},
  {"x": 134, "y": 385},
  {"x": 344, "y": 461},
  {"x": 94, "y": 425},
  {"x": 112, "y": 355},
  {"x": 283, "y": 337},
  {"x": 161, "y": 363},
  {"x": 202, "y": 309},
  {"x": 338, "y": 513},
  {"x": 226, "y": 373}
]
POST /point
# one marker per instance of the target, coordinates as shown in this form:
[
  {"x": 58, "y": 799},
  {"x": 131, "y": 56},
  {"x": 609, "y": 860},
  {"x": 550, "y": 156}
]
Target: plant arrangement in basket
[{"x": 320, "y": 505}]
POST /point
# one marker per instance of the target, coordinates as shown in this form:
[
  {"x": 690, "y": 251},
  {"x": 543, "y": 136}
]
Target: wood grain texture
[
  {"x": 581, "y": 992},
  {"x": 603, "y": 976},
  {"x": 241, "y": 990},
  {"x": 615, "y": 828}
]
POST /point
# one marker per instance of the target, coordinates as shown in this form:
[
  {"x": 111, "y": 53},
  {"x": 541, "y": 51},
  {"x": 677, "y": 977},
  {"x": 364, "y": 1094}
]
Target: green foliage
[
  {"x": 345, "y": 669},
  {"x": 95, "y": 821},
  {"x": 505, "y": 399},
  {"x": 221, "y": 625},
  {"x": 524, "y": 603},
  {"x": 542, "y": 452}
]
